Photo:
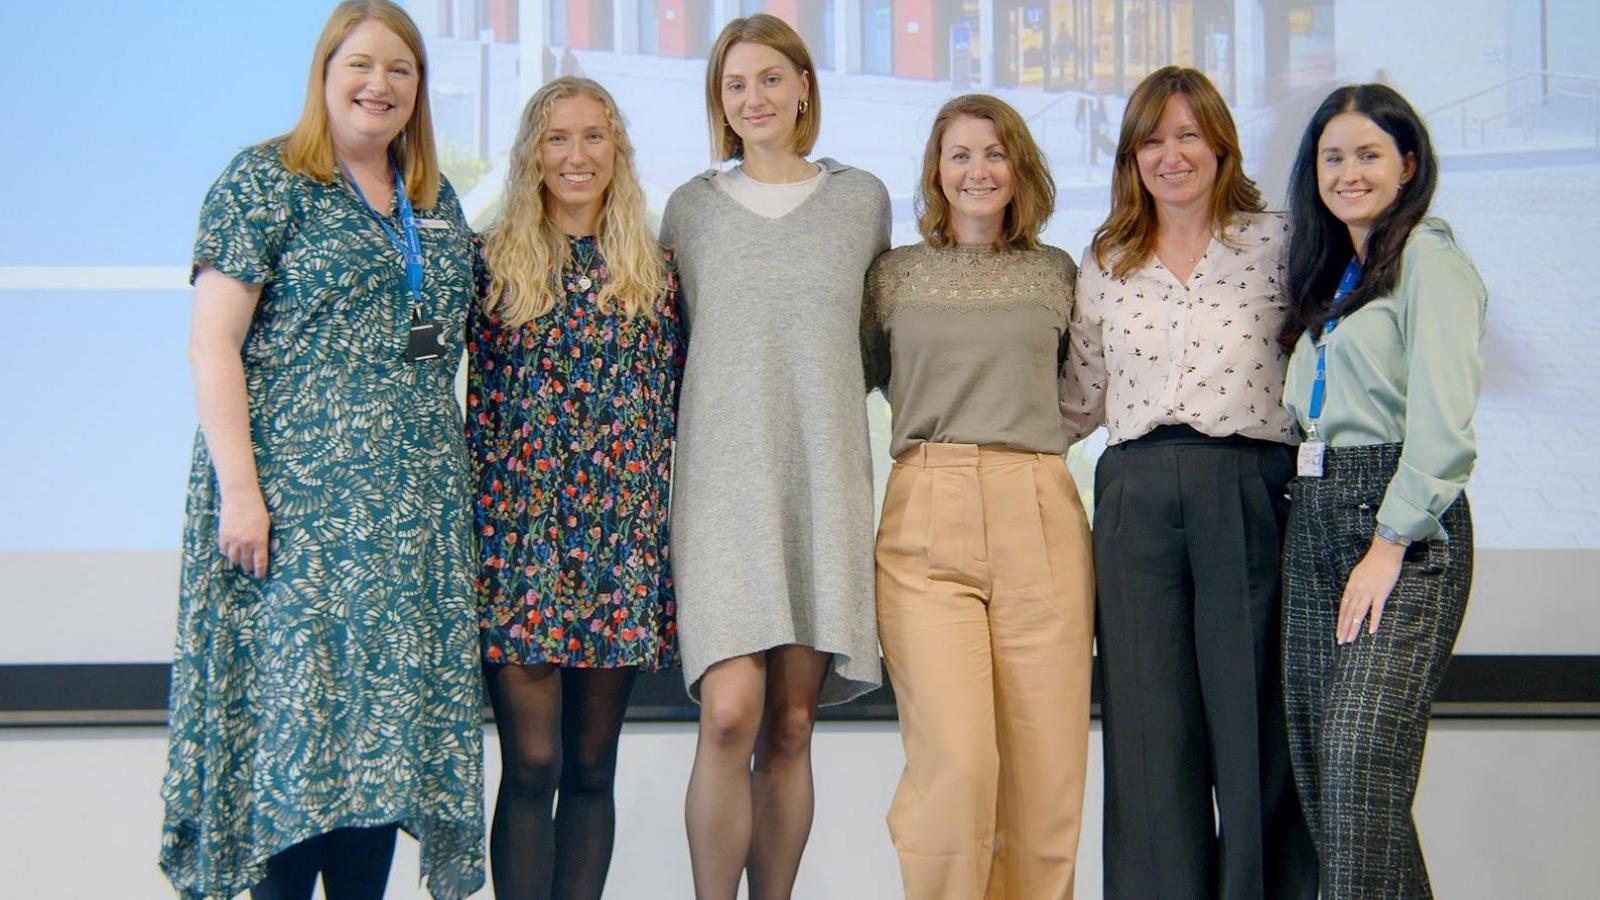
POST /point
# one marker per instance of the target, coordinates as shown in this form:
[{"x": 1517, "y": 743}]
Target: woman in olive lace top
[{"x": 985, "y": 591}]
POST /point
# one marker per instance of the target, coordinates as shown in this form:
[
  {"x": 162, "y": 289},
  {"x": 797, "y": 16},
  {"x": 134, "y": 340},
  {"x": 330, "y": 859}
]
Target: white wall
[{"x": 1506, "y": 810}]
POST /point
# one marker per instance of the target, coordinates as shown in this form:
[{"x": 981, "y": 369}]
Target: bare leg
[
  {"x": 592, "y": 705},
  {"x": 527, "y": 715},
  {"x": 781, "y": 785},
  {"x": 717, "y": 810}
]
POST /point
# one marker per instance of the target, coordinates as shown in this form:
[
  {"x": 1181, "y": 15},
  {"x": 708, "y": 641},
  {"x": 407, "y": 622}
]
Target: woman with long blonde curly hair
[
  {"x": 574, "y": 359},
  {"x": 526, "y": 244}
]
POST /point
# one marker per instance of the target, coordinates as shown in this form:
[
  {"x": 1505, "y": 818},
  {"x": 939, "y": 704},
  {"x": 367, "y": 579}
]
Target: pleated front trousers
[
  {"x": 985, "y": 613},
  {"x": 1199, "y": 797}
]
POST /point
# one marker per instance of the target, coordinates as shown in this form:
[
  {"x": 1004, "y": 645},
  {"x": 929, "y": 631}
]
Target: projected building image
[{"x": 1513, "y": 101}]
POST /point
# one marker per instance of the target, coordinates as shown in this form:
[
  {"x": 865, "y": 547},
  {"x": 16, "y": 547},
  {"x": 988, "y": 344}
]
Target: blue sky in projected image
[{"x": 131, "y": 109}]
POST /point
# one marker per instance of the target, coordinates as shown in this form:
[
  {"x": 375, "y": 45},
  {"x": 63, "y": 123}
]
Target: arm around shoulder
[
  {"x": 671, "y": 310},
  {"x": 1064, "y": 264},
  {"x": 875, "y": 350},
  {"x": 1082, "y": 381},
  {"x": 672, "y": 229},
  {"x": 884, "y": 225}
]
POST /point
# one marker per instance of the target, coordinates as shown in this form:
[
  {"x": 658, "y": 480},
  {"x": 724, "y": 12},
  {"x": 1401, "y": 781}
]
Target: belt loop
[{"x": 916, "y": 456}]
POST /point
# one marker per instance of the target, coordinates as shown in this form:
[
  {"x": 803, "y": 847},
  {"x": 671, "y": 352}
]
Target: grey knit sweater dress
[{"x": 771, "y": 521}]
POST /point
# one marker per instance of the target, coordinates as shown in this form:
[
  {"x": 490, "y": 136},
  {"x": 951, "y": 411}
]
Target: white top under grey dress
[
  {"x": 774, "y": 200},
  {"x": 772, "y": 486}
]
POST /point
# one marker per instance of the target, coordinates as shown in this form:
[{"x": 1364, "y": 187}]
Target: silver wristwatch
[{"x": 1389, "y": 535}]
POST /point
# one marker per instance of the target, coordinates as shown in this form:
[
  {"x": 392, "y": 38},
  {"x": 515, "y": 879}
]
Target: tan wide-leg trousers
[{"x": 986, "y": 614}]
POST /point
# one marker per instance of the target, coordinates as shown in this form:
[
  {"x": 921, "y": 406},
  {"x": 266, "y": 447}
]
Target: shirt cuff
[{"x": 1409, "y": 520}]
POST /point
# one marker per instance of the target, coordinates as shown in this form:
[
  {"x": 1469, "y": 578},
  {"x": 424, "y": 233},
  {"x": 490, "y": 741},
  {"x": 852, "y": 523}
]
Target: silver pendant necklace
[{"x": 584, "y": 281}]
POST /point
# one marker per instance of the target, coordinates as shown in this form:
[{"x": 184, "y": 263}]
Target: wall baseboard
[{"x": 120, "y": 694}]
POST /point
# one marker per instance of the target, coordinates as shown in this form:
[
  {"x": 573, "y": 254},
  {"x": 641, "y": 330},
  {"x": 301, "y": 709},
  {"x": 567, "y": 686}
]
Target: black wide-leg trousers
[
  {"x": 1188, "y": 536},
  {"x": 1358, "y": 713}
]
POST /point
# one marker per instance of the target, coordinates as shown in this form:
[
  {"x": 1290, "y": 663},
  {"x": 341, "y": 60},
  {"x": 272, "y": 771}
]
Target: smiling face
[
  {"x": 578, "y": 154},
  {"x": 370, "y": 89},
  {"x": 1176, "y": 163},
  {"x": 975, "y": 176},
  {"x": 761, "y": 94},
  {"x": 1360, "y": 172}
]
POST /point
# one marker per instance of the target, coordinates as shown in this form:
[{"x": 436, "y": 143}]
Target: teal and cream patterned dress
[{"x": 344, "y": 689}]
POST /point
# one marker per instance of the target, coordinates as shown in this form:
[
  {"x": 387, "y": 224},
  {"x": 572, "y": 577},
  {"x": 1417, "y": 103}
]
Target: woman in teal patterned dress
[
  {"x": 574, "y": 359},
  {"x": 325, "y": 686}
]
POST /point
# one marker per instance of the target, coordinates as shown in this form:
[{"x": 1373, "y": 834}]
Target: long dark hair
[{"x": 1319, "y": 244}]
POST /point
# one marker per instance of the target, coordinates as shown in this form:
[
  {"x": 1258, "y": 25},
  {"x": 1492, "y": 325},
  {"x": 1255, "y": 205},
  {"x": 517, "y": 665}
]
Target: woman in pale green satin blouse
[
  {"x": 1384, "y": 380},
  {"x": 1407, "y": 371}
]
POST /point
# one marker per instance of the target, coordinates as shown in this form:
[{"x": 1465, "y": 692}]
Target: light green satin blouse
[{"x": 1406, "y": 368}]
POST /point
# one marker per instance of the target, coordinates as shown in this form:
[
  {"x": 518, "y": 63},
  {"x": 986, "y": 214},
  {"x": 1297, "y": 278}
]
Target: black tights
[
  {"x": 558, "y": 734},
  {"x": 354, "y": 863}
]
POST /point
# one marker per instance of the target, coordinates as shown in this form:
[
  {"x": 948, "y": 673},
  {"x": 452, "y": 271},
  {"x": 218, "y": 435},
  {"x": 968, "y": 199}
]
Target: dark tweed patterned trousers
[{"x": 1358, "y": 713}]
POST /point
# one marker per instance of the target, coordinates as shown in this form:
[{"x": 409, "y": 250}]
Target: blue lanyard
[
  {"x": 409, "y": 249},
  {"x": 1319, "y": 387}
]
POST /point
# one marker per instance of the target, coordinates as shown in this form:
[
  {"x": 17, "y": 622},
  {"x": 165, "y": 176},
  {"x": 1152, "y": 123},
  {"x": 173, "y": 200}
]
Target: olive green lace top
[{"x": 967, "y": 343}]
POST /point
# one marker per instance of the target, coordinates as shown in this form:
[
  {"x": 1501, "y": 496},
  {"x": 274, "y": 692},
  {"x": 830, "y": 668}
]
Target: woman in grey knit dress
[{"x": 772, "y": 497}]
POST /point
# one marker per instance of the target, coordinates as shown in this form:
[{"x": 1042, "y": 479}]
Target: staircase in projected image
[{"x": 1534, "y": 117}]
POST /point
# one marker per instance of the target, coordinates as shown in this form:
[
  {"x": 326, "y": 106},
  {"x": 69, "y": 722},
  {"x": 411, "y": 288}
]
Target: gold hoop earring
[{"x": 804, "y": 105}]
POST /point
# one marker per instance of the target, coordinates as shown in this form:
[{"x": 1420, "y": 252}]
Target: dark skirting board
[{"x": 119, "y": 694}]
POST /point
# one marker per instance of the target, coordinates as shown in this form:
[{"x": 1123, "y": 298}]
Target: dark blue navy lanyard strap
[
  {"x": 1319, "y": 387},
  {"x": 410, "y": 248}
]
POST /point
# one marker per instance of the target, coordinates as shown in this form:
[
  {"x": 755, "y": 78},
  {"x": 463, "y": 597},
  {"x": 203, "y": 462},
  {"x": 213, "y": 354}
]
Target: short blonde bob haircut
[
  {"x": 525, "y": 250},
  {"x": 1127, "y": 237},
  {"x": 308, "y": 149},
  {"x": 770, "y": 31},
  {"x": 1034, "y": 191}
]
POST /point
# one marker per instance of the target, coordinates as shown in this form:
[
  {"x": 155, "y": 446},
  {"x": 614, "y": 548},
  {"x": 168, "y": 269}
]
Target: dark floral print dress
[
  {"x": 570, "y": 422},
  {"x": 343, "y": 689}
]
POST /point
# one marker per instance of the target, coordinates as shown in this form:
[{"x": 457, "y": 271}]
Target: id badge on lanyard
[
  {"x": 426, "y": 339},
  {"x": 1308, "y": 463}
]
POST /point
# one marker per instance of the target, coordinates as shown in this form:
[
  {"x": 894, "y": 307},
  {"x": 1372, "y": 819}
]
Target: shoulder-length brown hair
[
  {"x": 1128, "y": 235},
  {"x": 770, "y": 31},
  {"x": 308, "y": 149},
  {"x": 1034, "y": 190}
]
